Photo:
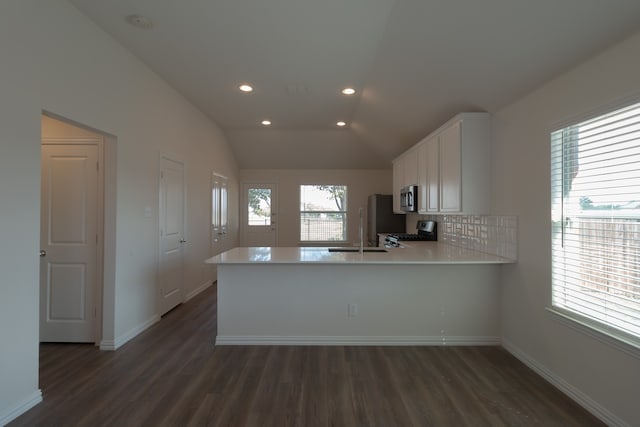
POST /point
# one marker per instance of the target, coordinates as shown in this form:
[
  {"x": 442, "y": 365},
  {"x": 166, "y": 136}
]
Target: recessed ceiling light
[
  {"x": 341, "y": 123},
  {"x": 245, "y": 88},
  {"x": 139, "y": 21},
  {"x": 348, "y": 91},
  {"x": 266, "y": 122}
]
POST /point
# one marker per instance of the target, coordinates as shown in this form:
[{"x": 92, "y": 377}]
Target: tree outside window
[
  {"x": 323, "y": 214},
  {"x": 259, "y": 206}
]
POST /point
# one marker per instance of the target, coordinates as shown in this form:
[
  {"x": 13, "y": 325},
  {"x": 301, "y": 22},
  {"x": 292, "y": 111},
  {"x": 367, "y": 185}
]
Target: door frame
[
  {"x": 177, "y": 159},
  {"x": 100, "y": 213}
]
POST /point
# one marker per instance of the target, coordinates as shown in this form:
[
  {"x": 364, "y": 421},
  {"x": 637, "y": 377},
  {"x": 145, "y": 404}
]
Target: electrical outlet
[{"x": 352, "y": 310}]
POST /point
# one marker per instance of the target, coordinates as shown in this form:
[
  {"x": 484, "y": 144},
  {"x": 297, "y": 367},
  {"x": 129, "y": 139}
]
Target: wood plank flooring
[{"x": 172, "y": 375}]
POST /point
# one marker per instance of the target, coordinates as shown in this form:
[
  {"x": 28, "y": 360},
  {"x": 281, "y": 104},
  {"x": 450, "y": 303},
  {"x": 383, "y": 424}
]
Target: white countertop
[{"x": 412, "y": 253}]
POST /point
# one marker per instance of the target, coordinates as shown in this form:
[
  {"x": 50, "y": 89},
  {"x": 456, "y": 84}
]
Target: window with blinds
[{"x": 595, "y": 194}]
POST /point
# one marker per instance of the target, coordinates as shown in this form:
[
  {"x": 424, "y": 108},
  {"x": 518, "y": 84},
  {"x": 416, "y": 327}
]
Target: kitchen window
[
  {"x": 323, "y": 213},
  {"x": 595, "y": 194}
]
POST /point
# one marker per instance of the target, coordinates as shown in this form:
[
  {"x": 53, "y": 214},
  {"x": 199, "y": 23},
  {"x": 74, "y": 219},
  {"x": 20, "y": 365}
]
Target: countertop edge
[{"x": 434, "y": 254}]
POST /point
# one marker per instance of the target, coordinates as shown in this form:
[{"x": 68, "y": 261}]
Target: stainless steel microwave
[{"x": 409, "y": 198}]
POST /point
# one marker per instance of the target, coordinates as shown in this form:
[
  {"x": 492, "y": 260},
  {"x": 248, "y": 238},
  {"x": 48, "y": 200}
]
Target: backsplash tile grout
[{"x": 492, "y": 234}]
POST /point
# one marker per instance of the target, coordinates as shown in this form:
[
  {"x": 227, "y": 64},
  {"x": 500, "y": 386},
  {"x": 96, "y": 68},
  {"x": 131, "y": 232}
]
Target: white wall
[
  {"x": 605, "y": 377},
  {"x": 55, "y": 59},
  {"x": 360, "y": 183}
]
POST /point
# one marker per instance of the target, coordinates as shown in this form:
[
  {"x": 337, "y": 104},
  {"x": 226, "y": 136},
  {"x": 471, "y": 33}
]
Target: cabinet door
[
  {"x": 423, "y": 181},
  {"x": 450, "y": 170},
  {"x": 411, "y": 168},
  {"x": 398, "y": 182},
  {"x": 433, "y": 174}
]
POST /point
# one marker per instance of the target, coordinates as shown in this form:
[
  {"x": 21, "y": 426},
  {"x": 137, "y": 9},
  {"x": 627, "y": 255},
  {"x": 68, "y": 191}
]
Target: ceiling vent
[{"x": 298, "y": 90}]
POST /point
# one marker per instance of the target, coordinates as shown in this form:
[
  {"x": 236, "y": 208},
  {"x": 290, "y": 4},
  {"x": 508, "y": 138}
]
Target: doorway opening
[
  {"x": 77, "y": 233},
  {"x": 172, "y": 214}
]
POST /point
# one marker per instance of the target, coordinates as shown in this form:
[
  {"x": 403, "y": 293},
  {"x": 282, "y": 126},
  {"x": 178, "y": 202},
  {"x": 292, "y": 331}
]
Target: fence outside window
[
  {"x": 602, "y": 280},
  {"x": 315, "y": 227},
  {"x": 323, "y": 213},
  {"x": 595, "y": 210}
]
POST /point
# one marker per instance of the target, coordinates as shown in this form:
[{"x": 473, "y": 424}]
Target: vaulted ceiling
[{"x": 413, "y": 63}]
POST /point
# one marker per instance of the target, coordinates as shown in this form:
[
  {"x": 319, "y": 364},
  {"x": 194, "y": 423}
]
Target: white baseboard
[
  {"x": 199, "y": 289},
  {"x": 354, "y": 340},
  {"x": 578, "y": 396},
  {"x": 108, "y": 345},
  {"x": 21, "y": 408},
  {"x": 124, "y": 338}
]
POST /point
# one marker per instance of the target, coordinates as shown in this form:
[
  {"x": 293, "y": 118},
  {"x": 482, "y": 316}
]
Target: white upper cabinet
[
  {"x": 429, "y": 175},
  {"x": 411, "y": 167},
  {"x": 432, "y": 163},
  {"x": 398, "y": 179},
  {"x": 423, "y": 181},
  {"x": 405, "y": 172},
  {"x": 453, "y": 167},
  {"x": 450, "y": 169}
]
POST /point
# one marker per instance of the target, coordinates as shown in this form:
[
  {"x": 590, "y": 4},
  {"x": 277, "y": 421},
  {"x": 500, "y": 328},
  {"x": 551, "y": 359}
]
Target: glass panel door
[{"x": 259, "y": 215}]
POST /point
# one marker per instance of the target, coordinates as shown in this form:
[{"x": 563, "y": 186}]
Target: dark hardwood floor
[{"x": 172, "y": 375}]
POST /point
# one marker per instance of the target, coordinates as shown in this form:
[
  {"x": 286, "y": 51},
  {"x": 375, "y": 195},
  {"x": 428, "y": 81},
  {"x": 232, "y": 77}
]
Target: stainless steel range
[{"x": 427, "y": 231}]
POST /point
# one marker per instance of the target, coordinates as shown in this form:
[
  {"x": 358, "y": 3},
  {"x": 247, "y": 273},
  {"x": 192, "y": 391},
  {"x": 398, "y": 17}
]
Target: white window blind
[{"x": 595, "y": 192}]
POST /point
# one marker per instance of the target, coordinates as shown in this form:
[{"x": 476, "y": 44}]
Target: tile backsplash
[{"x": 493, "y": 234}]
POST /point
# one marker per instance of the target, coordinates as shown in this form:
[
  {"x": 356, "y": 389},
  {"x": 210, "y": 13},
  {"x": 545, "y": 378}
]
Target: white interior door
[
  {"x": 219, "y": 217},
  {"x": 69, "y": 241},
  {"x": 172, "y": 236},
  {"x": 219, "y": 213},
  {"x": 259, "y": 222}
]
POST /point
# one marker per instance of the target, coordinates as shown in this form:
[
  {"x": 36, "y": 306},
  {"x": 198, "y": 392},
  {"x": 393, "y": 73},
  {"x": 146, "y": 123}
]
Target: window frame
[
  {"x": 596, "y": 328},
  {"x": 344, "y": 212}
]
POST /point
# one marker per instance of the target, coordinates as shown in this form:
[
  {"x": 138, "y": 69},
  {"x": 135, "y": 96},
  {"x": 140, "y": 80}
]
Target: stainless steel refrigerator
[{"x": 381, "y": 219}]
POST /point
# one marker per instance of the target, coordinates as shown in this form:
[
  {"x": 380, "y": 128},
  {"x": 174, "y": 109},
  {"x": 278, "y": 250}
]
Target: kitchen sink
[{"x": 357, "y": 250}]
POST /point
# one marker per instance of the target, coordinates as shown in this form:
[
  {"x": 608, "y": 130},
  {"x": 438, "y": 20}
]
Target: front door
[
  {"x": 259, "y": 215},
  {"x": 69, "y": 242},
  {"x": 172, "y": 236}
]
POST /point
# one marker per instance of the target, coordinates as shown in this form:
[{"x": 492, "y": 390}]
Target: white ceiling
[{"x": 414, "y": 63}]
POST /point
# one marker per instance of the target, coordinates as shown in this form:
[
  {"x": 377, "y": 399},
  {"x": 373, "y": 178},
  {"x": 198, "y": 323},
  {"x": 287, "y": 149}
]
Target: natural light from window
[
  {"x": 595, "y": 190},
  {"x": 323, "y": 213},
  {"x": 259, "y": 206}
]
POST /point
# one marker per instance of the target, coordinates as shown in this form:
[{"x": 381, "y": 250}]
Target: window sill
[{"x": 627, "y": 346}]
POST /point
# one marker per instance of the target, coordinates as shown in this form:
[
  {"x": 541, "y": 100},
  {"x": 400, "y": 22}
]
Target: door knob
[
  {"x": 43, "y": 253},
  {"x": 183, "y": 241}
]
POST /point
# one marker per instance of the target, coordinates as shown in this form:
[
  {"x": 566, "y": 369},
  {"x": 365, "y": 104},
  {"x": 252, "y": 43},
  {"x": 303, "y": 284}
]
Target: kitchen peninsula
[{"x": 426, "y": 293}]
